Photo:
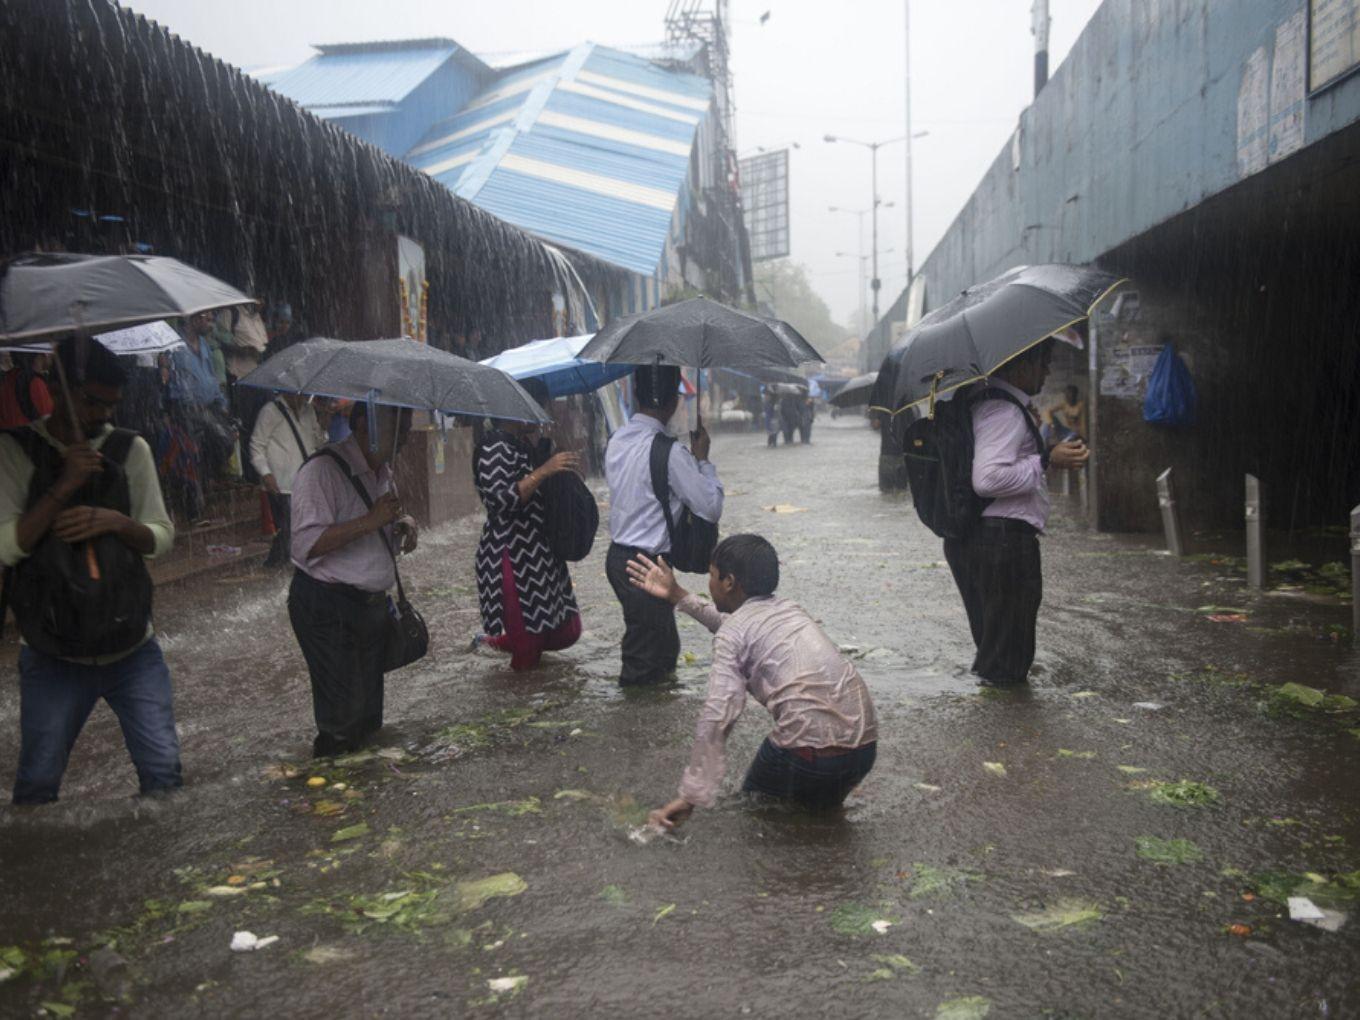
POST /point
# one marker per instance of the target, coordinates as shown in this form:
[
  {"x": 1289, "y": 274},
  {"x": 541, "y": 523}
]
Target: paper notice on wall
[
  {"x": 1288, "y": 75},
  {"x": 1253, "y": 114},
  {"x": 1126, "y": 371}
]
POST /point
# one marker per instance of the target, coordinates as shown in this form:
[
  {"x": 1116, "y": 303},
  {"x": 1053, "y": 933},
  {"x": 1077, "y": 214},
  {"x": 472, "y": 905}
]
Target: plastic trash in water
[
  {"x": 642, "y": 835},
  {"x": 248, "y": 941},
  {"x": 1149, "y": 706},
  {"x": 1301, "y": 908}
]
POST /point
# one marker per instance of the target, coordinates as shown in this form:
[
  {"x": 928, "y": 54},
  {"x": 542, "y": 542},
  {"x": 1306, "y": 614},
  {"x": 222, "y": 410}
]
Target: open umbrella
[
  {"x": 397, "y": 373},
  {"x": 700, "y": 333},
  {"x": 53, "y": 294},
  {"x": 555, "y": 361},
  {"x": 148, "y": 338},
  {"x": 856, "y": 391},
  {"x": 985, "y": 327}
]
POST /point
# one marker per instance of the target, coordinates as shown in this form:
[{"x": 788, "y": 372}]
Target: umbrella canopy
[
  {"x": 986, "y": 326},
  {"x": 150, "y": 338},
  {"x": 556, "y": 362},
  {"x": 49, "y": 295},
  {"x": 700, "y": 333},
  {"x": 856, "y": 391},
  {"x": 398, "y": 373}
]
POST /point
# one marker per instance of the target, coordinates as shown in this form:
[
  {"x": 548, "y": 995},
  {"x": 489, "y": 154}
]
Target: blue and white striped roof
[{"x": 590, "y": 148}]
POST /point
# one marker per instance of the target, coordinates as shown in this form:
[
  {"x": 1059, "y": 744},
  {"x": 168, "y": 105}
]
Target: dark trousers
[
  {"x": 342, "y": 632},
  {"x": 651, "y": 644},
  {"x": 281, "y": 509},
  {"x": 997, "y": 570},
  {"x": 55, "y": 699},
  {"x": 809, "y": 781}
]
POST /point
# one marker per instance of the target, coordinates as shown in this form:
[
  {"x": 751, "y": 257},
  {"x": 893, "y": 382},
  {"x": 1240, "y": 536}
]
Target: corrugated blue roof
[
  {"x": 343, "y": 76},
  {"x": 590, "y": 148}
]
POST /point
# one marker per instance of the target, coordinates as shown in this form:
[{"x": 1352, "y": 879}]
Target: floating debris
[
  {"x": 316, "y": 782},
  {"x": 929, "y": 880},
  {"x": 1061, "y": 914},
  {"x": 857, "y": 919},
  {"x": 995, "y": 768},
  {"x": 247, "y": 942},
  {"x": 1184, "y": 793},
  {"x": 471, "y": 895},
  {"x": 614, "y": 895},
  {"x": 327, "y": 954},
  {"x": 1065, "y": 753},
  {"x": 1301, "y": 908},
  {"x": 968, "y": 1007},
  {"x": 350, "y": 832},
  {"x": 507, "y": 984},
  {"x": 1149, "y": 706},
  {"x": 1168, "y": 851}
]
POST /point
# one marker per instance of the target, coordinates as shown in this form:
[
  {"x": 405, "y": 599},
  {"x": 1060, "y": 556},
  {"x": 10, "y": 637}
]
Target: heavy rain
[{"x": 486, "y": 534}]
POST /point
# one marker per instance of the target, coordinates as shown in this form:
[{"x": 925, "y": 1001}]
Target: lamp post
[{"x": 859, "y": 214}]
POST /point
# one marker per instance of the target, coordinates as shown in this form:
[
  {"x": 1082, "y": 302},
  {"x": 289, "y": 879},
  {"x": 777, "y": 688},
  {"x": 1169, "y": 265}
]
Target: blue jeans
[
  {"x": 55, "y": 699},
  {"x": 817, "y": 783}
]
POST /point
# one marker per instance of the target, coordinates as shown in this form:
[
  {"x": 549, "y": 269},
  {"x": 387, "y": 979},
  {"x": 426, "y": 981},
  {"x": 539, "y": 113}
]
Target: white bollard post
[
  {"x": 1171, "y": 517},
  {"x": 1256, "y": 524},
  {"x": 1355, "y": 576}
]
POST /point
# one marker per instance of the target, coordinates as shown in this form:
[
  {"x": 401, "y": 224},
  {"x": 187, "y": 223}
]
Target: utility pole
[
  {"x": 906, "y": 13},
  {"x": 1040, "y": 28}
]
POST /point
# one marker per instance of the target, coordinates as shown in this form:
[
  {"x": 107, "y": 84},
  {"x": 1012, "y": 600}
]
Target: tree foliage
[{"x": 784, "y": 287}]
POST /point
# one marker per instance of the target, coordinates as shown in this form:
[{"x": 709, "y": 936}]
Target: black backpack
[
  {"x": 571, "y": 517},
  {"x": 62, "y": 610},
  {"x": 938, "y": 452},
  {"x": 693, "y": 539}
]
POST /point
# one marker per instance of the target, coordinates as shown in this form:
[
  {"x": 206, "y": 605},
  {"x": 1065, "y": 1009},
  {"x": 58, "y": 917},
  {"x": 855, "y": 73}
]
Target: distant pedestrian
[
  {"x": 996, "y": 565},
  {"x": 770, "y": 409},
  {"x": 523, "y": 588},
  {"x": 200, "y": 403},
  {"x": 286, "y": 433},
  {"x": 344, "y": 552},
  {"x": 825, "y": 732},
  {"x": 80, "y": 513},
  {"x": 24, "y": 395},
  {"x": 637, "y": 523},
  {"x": 806, "y": 414},
  {"x": 790, "y": 412}
]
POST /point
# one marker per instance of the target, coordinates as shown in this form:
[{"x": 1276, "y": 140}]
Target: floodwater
[{"x": 757, "y": 912}]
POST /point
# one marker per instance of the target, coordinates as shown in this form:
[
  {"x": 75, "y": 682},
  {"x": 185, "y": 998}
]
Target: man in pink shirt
[
  {"x": 825, "y": 731},
  {"x": 343, "y": 551},
  {"x": 996, "y": 565}
]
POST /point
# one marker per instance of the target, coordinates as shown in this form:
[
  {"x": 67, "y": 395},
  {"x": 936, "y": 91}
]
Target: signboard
[
  {"x": 765, "y": 200},
  {"x": 1333, "y": 41},
  {"x": 413, "y": 288}
]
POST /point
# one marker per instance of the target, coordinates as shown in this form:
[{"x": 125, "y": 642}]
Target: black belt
[
  {"x": 1008, "y": 524},
  {"x": 633, "y": 550},
  {"x": 349, "y": 591}
]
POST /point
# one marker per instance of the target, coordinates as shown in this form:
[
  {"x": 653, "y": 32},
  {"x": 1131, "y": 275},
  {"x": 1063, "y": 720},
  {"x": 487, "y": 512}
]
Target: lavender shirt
[
  {"x": 1007, "y": 468},
  {"x": 323, "y": 496},
  {"x": 772, "y": 650}
]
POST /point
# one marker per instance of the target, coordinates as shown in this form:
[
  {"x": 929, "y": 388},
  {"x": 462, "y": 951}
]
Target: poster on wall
[
  {"x": 413, "y": 289},
  {"x": 1127, "y": 368},
  {"x": 1287, "y": 74},
  {"x": 1333, "y": 41}
]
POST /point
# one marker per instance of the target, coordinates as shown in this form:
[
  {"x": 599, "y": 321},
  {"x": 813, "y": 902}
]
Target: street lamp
[
  {"x": 875, "y": 283},
  {"x": 859, "y": 214}
]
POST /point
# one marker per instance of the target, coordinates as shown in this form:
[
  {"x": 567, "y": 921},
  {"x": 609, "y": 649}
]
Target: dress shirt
[
  {"x": 323, "y": 496},
  {"x": 274, "y": 449},
  {"x": 771, "y": 649},
  {"x": 1007, "y": 465},
  {"x": 194, "y": 379},
  {"x": 635, "y": 516}
]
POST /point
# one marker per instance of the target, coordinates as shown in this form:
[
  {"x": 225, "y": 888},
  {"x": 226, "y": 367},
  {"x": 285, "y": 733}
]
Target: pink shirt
[
  {"x": 771, "y": 649},
  {"x": 323, "y": 496},
  {"x": 1007, "y": 468}
]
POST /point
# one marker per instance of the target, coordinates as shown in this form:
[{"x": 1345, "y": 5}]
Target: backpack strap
[
  {"x": 118, "y": 445},
  {"x": 292, "y": 427},
  {"x": 326, "y": 451},
  {"x": 661, "y": 478},
  {"x": 995, "y": 393}
]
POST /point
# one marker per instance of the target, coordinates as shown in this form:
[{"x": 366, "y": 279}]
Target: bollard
[
  {"x": 1355, "y": 576},
  {"x": 1256, "y": 524},
  {"x": 1171, "y": 516}
]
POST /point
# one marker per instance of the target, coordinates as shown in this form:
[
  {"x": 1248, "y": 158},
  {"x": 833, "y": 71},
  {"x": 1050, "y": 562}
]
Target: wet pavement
[{"x": 1011, "y": 851}]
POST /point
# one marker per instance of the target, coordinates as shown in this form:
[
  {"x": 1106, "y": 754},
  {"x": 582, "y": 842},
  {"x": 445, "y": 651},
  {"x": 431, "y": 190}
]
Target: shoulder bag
[{"x": 693, "y": 539}]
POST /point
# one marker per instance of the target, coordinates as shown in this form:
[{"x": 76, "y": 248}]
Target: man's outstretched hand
[
  {"x": 673, "y": 814},
  {"x": 656, "y": 578}
]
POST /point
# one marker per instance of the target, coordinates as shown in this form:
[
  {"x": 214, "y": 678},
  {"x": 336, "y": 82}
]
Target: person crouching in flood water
[{"x": 825, "y": 731}]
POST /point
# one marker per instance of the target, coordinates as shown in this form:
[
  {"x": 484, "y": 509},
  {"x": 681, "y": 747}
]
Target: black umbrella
[
  {"x": 700, "y": 333},
  {"x": 856, "y": 391},
  {"x": 985, "y": 327},
  {"x": 397, "y": 373},
  {"x": 49, "y": 295}
]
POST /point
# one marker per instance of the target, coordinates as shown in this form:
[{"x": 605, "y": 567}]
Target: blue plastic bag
[{"x": 1170, "y": 396}]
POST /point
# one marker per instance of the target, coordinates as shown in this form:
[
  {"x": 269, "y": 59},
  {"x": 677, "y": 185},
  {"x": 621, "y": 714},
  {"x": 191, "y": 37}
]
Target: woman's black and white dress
[{"x": 516, "y": 527}]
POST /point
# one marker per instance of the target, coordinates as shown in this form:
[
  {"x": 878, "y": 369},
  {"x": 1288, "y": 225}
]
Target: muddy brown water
[{"x": 759, "y": 911}]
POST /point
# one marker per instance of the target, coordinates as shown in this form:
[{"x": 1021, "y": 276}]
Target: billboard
[
  {"x": 1333, "y": 41},
  {"x": 765, "y": 201}
]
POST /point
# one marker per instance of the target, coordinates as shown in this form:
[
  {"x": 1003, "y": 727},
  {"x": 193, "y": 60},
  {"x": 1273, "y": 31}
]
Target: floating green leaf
[
  {"x": 514, "y": 808},
  {"x": 895, "y": 962},
  {"x": 663, "y": 912},
  {"x": 350, "y": 832},
  {"x": 995, "y": 768},
  {"x": 1065, "y": 753},
  {"x": 1185, "y": 793},
  {"x": 928, "y": 880},
  {"x": 1130, "y": 770},
  {"x": 471, "y": 895},
  {"x": 1168, "y": 851},
  {"x": 194, "y": 906},
  {"x": 1061, "y": 914},
  {"x": 969, "y": 1007},
  {"x": 614, "y": 895},
  {"x": 857, "y": 919}
]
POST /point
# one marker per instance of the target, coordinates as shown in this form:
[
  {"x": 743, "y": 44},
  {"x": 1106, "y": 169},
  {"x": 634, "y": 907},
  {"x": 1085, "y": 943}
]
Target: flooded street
[{"x": 1019, "y": 848}]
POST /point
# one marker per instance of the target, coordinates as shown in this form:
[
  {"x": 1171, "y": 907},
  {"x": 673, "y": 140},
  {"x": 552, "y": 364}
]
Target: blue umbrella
[{"x": 555, "y": 362}]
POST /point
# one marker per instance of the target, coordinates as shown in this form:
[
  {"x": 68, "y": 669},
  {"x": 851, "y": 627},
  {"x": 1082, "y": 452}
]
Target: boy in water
[{"x": 823, "y": 741}]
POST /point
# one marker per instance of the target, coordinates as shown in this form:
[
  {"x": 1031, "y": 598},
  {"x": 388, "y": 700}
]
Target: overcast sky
[{"x": 814, "y": 68}]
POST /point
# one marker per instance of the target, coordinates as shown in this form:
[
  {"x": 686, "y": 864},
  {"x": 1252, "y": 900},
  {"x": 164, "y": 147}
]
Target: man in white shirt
[
  {"x": 286, "y": 433},
  {"x": 637, "y": 524}
]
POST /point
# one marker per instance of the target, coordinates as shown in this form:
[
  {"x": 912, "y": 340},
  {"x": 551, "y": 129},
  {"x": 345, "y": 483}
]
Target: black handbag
[
  {"x": 408, "y": 639},
  {"x": 693, "y": 539},
  {"x": 571, "y": 517}
]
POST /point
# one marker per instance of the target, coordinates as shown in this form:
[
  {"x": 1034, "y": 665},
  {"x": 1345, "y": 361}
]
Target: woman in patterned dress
[{"x": 524, "y": 589}]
